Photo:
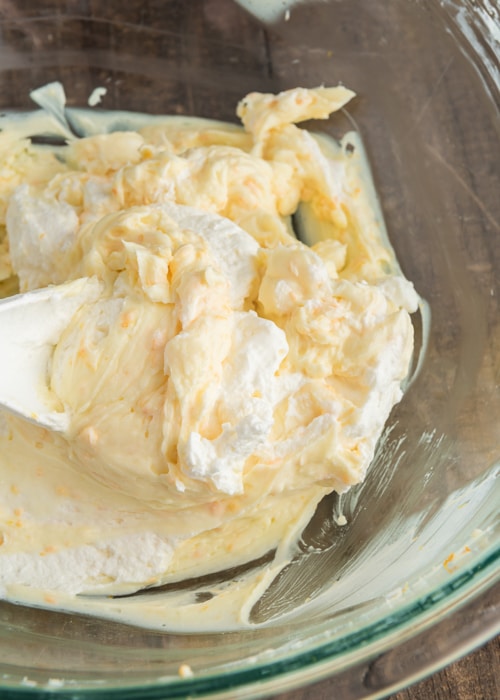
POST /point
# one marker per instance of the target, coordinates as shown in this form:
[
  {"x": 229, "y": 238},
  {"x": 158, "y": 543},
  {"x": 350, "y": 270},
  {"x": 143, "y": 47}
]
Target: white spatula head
[{"x": 30, "y": 326}]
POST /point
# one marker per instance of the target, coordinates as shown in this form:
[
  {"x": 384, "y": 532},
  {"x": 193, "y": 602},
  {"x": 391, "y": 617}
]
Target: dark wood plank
[{"x": 476, "y": 677}]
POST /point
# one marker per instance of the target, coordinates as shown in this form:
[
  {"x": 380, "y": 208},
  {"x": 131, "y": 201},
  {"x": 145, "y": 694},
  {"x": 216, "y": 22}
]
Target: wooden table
[{"x": 476, "y": 677}]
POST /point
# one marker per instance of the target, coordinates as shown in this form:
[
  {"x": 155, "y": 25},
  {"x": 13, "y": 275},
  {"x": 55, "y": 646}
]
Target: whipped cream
[{"x": 226, "y": 378}]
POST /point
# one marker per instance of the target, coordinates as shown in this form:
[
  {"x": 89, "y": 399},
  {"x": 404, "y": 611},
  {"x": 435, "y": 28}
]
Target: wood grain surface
[{"x": 476, "y": 677}]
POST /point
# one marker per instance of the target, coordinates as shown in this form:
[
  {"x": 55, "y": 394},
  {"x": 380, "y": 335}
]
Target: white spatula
[{"x": 30, "y": 325}]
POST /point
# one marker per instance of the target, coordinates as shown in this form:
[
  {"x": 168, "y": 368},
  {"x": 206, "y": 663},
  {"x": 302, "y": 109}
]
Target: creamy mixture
[{"x": 227, "y": 377}]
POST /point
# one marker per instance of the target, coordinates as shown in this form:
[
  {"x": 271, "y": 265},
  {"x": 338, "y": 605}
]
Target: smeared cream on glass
[{"x": 226, "y": 379}]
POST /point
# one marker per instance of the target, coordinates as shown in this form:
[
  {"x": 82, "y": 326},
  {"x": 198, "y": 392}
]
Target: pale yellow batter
[{"x": 227, "y": 377}]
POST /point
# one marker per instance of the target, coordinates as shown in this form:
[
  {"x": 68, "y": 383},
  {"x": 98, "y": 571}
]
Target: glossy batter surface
[{"x": 227, "y": 377}]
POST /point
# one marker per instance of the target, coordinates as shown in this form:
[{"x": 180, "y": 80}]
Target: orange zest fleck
[{"x": 448, "y": 561}]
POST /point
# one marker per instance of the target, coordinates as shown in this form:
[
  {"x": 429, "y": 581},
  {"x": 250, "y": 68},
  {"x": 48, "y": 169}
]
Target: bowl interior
[{"x": 422, "y": 532}]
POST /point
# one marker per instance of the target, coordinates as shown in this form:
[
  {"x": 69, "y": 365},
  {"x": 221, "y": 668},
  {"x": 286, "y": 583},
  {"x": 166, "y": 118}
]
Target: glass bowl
[{"x": 418, "y": 557}]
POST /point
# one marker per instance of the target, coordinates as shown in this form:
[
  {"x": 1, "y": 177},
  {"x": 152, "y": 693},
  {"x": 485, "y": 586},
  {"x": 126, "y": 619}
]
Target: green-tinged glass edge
[{"x": 257, "y": 678}]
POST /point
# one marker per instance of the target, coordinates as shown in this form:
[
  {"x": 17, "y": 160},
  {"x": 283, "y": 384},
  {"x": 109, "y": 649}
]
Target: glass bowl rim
[{"x": 317, "y": 662}]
